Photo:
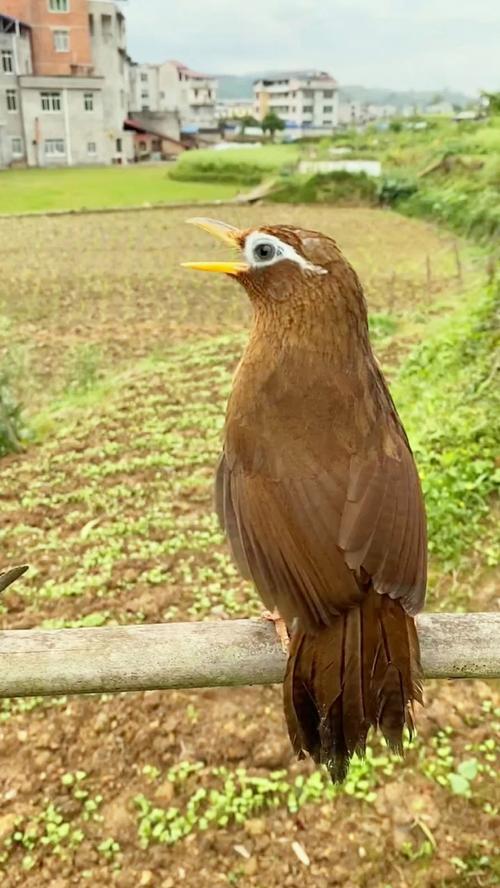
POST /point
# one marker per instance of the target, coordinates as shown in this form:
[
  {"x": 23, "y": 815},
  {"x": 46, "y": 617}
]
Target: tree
[
  {"x": 493, "y": 100},
  {"x": 247, "y": 120},
  {"x": 272, "y": 123}
]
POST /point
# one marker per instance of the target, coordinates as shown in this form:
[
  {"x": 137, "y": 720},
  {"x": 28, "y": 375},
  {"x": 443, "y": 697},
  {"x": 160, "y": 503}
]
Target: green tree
[
  {"x": 493, "y": 101},
  {"x": 272, "y": 123},
  {"x": 247, "y": 120}
]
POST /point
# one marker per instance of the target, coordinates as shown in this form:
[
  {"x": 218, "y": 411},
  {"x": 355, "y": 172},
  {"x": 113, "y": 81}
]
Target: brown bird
[{"x": 319, "y": 495}]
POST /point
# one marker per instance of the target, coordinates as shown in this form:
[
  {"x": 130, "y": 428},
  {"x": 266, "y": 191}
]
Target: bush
[
  {"x": 11, "y": 425},
  {"x": 390, "y": 190},
  {"x": 244, "y": 166},
  {"x": 209, "y": 171},
  {"x": 448, "y": 400},
  {"x": 338, "y": 187},
  {"x": 474, "y": 213}
]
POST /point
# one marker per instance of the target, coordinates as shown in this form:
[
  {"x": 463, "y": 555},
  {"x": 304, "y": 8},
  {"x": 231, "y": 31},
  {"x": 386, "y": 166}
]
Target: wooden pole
[{"x": 208, "y": 654}]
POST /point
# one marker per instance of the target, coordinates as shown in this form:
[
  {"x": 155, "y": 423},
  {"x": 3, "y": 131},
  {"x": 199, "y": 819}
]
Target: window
[
  {"x": 88, "y": 101},
  {"x": 307, "y": 93},
  {"x": 328, "y": 94},
  {"x": 327, "y": 109},
  {"x": 107, "y": 27},
  {"x": 61, "y": 41},
  {"x": 162, "y": 95},
  {"x": 54, "y": 148},
  {"x": 91, "y": 149},
  {"x": 51, "y": 101},
  {"x": 17, "y": 147},
  {"x": 11, "y": 95},
  {"x": 156, "y": 144},
  {"x": 307, "y": 109},
  {"x": 118, "y": 144},
  {"x": 7, "y": 61},
  {"x": 91, "y": 25},
  {"x": 144, "y": 78},
  {"x": 145, "y": 108},
  {"x": 142, "y": 145},
  {"x": 327, "y": 123},
  {"x": 144, "y": 94},
  {"x": 58, "y": 5}
]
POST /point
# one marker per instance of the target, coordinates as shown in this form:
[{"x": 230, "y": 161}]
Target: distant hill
[{"x": 239, "y": 86}]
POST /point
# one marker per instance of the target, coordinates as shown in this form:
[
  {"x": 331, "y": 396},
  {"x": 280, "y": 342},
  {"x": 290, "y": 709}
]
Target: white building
[
  {"x": 304, "y": 99},
  {"x": 15, "y": 58},
  {"x": 172, "y": 87},
  {"x": 235, "y": 109},
  {"x": 72, "y": 118},
  {"x": 108, "y": 40}
]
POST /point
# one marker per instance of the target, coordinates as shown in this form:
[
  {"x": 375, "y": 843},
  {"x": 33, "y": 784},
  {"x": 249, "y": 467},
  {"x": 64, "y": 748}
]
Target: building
[
  {"x": 150, "y": 144},
  {"x": 441, "y": 108},
  {"x": 352, "y": 113},
  {"x": 15, "y": 57},
  {"x": 108, "y": 38},
  {"x": 60, "y": 39},
  {"x": 307, "y": 100},
  {"x": 234, "y": 109},
  {"x": 174, "y": 90},
  {"x": 71, "y": 85},
  {"x": 151, "y": 104}
]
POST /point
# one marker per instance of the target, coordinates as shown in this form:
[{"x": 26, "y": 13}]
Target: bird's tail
[{"x": 362, "y": 671}]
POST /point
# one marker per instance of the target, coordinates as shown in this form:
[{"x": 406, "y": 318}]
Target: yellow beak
[{"x": 226, "y": 233}]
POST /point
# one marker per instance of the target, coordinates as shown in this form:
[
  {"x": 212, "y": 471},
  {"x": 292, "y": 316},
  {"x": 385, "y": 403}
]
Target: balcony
[{"x": 81, "y": 70}]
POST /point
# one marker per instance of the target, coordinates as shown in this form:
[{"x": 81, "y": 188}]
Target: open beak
[{"x": 226, "y": 233}]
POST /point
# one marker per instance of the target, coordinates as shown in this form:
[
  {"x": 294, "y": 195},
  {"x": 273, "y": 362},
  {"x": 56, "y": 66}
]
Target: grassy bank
[
  {"x": 40, "y": 190},
  {"x": 246, "y": 166}
]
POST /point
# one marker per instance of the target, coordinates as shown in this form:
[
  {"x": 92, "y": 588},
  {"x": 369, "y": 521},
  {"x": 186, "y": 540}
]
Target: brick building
[{"x": 70, "y": 83}]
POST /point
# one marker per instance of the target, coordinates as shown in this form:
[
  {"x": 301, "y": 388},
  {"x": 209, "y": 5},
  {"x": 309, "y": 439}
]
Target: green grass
[
  {"x": 268, "y": 157},
  {"x": 247, "y": 166},
  {"x": 39, "y": 190},
  {"x": 448, "y": 399}
]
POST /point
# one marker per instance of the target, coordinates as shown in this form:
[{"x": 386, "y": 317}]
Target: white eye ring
[{"x": 276, "y": 251}]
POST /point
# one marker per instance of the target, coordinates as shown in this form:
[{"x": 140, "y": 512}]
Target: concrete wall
[
  {"x": 76, "y": 126},
  {"x": 11, "y": 122},
  {"x": 111, "y": 62},
  {"x": 165, "y": 123}
]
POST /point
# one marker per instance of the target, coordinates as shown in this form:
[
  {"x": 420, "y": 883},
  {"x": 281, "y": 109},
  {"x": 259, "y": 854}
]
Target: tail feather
[{"x": 362, "y": 671}]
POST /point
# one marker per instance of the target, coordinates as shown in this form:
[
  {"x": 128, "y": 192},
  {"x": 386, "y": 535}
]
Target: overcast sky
[{"x": 401, "y": 44}]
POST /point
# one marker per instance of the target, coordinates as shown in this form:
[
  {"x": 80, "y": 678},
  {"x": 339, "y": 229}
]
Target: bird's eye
[{"x": 264, "y": 252}]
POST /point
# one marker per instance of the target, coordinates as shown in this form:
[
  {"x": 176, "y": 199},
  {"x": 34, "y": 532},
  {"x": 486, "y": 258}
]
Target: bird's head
[{"x": 291, "y": 274}]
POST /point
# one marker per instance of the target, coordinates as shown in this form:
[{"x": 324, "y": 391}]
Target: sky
[{"x": 400, "y": 44}]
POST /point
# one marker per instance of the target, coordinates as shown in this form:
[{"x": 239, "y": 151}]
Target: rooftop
[
  {"x": 308, "y": 74},
  {"x": 189, "y": 71}
]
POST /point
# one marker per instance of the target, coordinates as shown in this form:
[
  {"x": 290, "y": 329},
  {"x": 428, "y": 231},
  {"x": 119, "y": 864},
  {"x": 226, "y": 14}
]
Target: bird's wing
[{"x": 312, "y": 528}]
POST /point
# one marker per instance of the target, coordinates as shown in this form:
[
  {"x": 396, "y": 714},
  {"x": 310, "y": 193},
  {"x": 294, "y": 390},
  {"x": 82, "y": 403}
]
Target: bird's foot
[{"x": 280, "y": 627}]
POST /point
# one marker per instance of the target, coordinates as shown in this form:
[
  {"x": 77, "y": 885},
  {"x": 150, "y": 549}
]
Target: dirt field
[{"x": 124, "y": 361}]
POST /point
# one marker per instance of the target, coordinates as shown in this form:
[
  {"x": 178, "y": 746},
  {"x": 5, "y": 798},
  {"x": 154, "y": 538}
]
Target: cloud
[{"x": 428, "y": 44}]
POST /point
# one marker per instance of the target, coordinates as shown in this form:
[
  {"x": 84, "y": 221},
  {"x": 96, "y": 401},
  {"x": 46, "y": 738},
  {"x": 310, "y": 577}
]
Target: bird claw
[{"x": 280, "y": 627}]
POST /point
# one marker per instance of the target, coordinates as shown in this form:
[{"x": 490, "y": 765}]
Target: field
[
  {"x": 123, "y": 361},
  {"x": 36, "y": 190}
]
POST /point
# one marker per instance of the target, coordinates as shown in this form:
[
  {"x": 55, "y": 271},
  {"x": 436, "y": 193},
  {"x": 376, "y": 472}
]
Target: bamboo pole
[{"x": 208, "y": 654}]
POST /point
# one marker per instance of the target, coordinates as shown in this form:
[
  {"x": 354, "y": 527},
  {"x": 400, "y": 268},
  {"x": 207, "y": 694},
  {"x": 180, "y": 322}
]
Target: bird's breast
[{"x": 300, "y": 407}]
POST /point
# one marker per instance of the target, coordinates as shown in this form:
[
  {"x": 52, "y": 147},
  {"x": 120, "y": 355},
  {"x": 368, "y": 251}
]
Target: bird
[{"x": 319, "y": 495}]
